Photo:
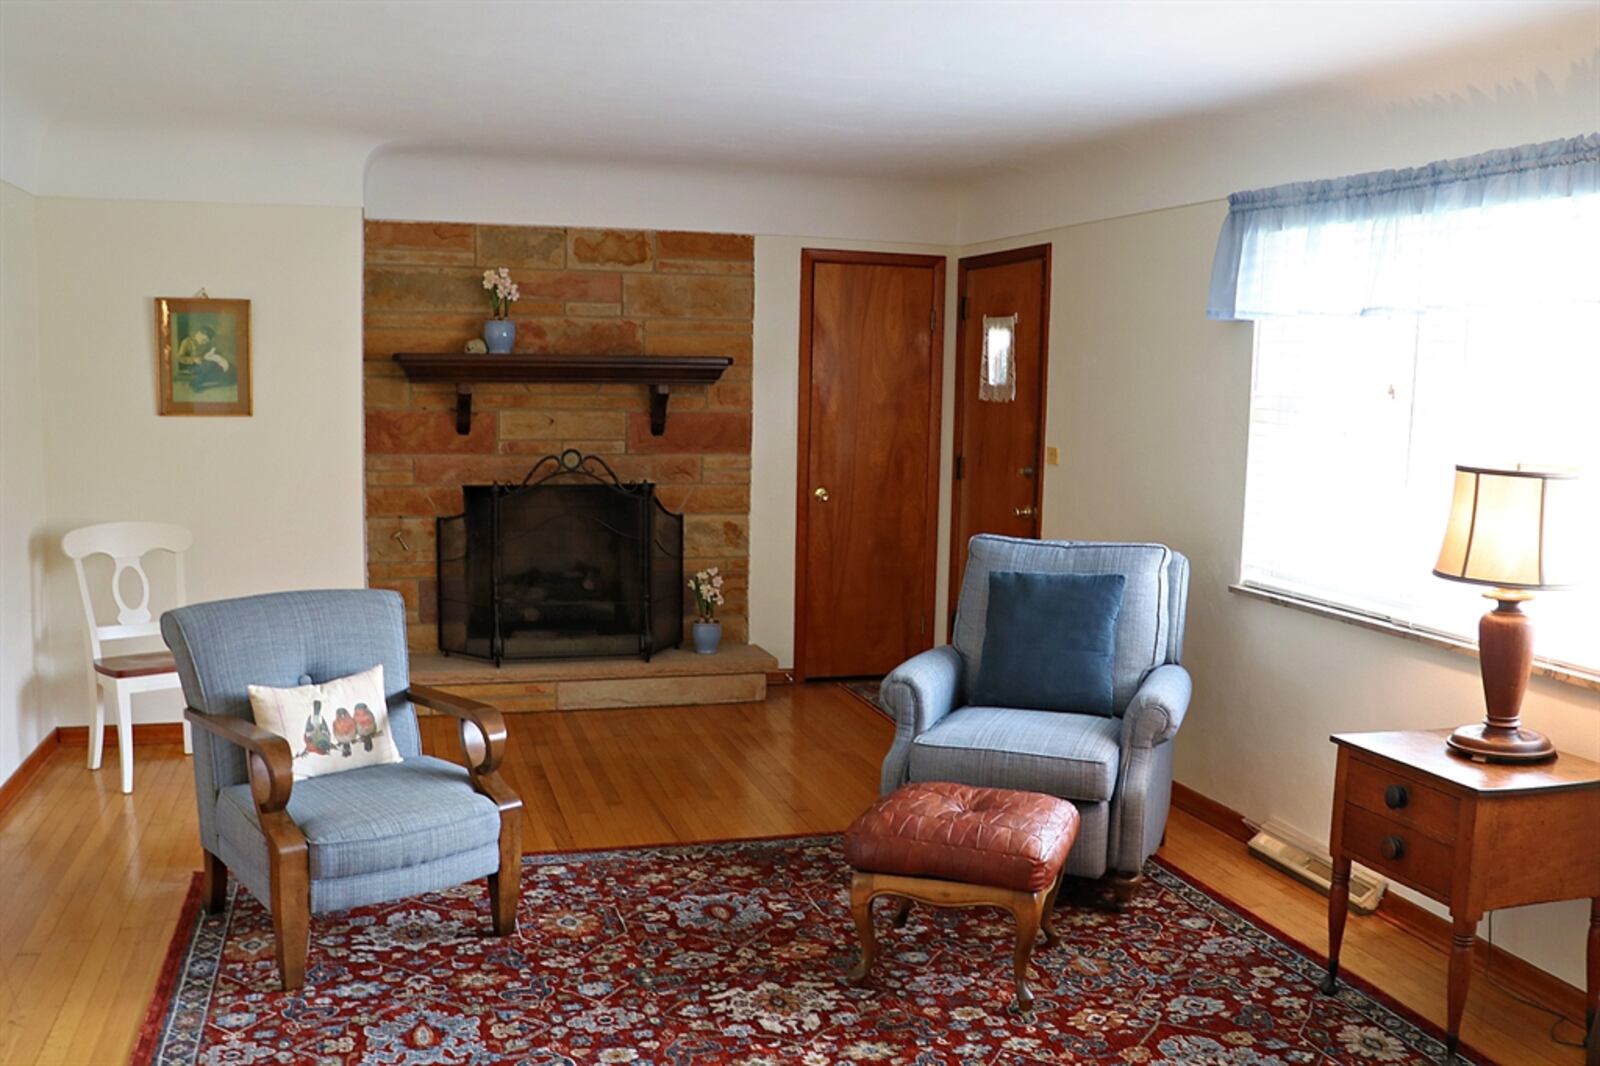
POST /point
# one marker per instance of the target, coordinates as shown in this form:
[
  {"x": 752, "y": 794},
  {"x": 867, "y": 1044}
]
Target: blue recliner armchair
[
  {"x": 342, "y": 840},
  {"x": 1117, "y": 771}
]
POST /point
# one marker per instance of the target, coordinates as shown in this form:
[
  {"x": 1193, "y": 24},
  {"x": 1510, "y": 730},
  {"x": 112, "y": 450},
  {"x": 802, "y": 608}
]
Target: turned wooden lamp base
[
  {"x": 1484, "y": 741},
  {"x": 1505, "y": 652}
]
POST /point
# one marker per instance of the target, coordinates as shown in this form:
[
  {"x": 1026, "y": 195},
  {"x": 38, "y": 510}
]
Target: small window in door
[{"x": 998, "y": 381}]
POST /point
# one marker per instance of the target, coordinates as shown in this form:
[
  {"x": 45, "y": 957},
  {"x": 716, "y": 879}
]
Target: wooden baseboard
[
  {"x": 77, "y": 736},
  {"x": 1216, "y": 815},
  {"x": 1510, "y": 971},
  {"x": 28, "y": 769}
]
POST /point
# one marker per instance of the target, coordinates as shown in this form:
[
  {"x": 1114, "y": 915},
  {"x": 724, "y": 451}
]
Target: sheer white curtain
[{"x": 1498, "y": 230}]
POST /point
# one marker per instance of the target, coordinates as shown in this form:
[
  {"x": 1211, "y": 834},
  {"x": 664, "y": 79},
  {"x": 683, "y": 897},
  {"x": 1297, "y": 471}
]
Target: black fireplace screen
[{"x": 570, "y": 563}]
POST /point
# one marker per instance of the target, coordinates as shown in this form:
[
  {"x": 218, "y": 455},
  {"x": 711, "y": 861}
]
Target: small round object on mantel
[{"x": 476, "y": 346}]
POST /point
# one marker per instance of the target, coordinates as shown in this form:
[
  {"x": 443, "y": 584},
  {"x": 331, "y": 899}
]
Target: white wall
[
  {"x": 21, "y": 138},
  {"x": 428, "y": 186},
  {"x": 1149, "y": 402},
  {"x": 1534, "y": 84},
  {"x": 25, "y": 719},
  {"x": 274, "y": 500},
  {"x": 86, "y": 160}
]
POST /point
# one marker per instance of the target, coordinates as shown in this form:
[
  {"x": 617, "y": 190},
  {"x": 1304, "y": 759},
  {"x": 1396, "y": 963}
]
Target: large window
[
  {"x": 1408, "y": 321},
  {"x": 1356, "y": 424}
]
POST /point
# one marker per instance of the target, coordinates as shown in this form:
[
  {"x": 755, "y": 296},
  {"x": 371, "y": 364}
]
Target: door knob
[
  {"x": 821, "y": 494},
  {"x": 1023, "y": 512}
]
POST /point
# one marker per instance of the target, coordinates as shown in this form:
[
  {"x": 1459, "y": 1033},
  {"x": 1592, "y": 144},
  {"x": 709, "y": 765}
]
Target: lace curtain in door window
[{"x": 997, "y": 378}]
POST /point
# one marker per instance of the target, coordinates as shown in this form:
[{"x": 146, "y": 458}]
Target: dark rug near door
[
  {"x": 736, "y": 952},
  {"x": 869, "y": 692}
]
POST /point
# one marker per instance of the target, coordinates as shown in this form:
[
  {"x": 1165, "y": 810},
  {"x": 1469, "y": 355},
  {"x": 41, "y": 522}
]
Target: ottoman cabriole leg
[
  {"x": 1049, "y": 923},
  {"x": 861, "y": 896},
  {"x": 1029, "y": 909}
]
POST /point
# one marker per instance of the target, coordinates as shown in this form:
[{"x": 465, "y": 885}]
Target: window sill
[{"x": 1562, "y": 672}]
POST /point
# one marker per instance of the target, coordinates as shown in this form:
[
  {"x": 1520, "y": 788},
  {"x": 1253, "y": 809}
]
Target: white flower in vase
[{"x": 706, "y": 586}]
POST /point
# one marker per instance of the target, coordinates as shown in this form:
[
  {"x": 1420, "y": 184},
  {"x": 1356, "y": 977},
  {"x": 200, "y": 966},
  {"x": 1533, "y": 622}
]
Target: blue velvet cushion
[{"x": 1049, "y": 642}]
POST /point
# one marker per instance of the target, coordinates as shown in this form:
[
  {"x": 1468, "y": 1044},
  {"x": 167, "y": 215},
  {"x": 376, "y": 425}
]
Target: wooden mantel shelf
[{"x": 658, "y": 372}]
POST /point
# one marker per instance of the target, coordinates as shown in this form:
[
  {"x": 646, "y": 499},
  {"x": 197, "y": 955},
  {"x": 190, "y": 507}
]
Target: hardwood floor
[{"x": 92, "y": 880}]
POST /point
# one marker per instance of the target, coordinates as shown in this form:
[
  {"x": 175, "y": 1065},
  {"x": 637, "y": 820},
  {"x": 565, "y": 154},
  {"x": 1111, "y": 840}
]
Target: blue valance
[{"x": 1510, "y": 227}]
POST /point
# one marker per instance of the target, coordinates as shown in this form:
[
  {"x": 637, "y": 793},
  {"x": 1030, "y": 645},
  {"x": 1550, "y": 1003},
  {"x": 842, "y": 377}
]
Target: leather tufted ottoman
[{"x": 953, "y": 845}]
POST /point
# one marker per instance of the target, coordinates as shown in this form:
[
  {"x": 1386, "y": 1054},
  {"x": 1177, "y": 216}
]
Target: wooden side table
[{"x": 1474, "y": 836}]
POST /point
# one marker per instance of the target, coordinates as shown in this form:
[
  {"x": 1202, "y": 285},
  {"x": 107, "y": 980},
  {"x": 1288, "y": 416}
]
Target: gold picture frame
[{"x": 203, "y": 356}]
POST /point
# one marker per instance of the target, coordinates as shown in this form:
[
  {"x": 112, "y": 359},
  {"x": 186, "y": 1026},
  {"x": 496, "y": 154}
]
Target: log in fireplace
[{"x": 571, "y": 562}]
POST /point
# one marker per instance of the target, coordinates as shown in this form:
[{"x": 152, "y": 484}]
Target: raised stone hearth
[{"x": 735, "y": 674}]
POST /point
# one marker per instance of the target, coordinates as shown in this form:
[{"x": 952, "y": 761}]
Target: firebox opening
[{"x": 570, "y": 563}]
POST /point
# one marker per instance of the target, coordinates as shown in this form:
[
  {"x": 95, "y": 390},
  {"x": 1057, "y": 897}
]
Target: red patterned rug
[{"x": 735, "y": 953}]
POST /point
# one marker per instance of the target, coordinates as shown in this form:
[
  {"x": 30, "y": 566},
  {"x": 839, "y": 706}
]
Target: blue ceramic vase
[
  {"x": 707, "y": 636},
  {"x": 500, "y": 334}
]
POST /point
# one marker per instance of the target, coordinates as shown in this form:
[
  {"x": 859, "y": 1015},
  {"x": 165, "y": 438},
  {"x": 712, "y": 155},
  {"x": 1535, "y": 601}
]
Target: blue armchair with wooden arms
[{"x": 344, "y": 839}]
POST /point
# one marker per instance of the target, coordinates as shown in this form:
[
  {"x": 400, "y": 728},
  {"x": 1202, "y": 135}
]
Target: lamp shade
[{"x": 1514, "y": 529}]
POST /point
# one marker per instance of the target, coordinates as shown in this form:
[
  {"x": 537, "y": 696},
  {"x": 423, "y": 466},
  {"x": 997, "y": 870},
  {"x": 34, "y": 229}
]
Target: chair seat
[
  {"x": 376, "y": 818},
  {"x": 1074, "y": 756},
  {"x": 142, "y": 664}
]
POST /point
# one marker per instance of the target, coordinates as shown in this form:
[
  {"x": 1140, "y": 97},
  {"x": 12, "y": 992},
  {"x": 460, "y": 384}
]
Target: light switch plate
[{"x": 1052, "y": 455}]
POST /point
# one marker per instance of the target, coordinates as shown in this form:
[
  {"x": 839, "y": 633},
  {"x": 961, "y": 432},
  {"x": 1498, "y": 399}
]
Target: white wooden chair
[{"x": 119, "y": 677}]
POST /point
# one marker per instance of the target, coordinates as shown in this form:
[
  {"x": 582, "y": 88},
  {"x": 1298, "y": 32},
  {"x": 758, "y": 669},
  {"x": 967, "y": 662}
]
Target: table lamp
[{"x": 1512, "y": 530}]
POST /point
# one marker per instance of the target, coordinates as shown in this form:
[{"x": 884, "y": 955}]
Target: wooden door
[
  {"x": 871, "y": 346},
  {"x": 999, "y": 446}
]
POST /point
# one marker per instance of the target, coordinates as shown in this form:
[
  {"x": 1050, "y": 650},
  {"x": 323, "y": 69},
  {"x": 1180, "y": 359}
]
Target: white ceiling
[{"x": 934, "y": 90}]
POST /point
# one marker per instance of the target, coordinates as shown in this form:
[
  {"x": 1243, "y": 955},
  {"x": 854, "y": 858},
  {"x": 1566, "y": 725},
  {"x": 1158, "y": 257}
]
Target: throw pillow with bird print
[{"x": 342, "y": 724}]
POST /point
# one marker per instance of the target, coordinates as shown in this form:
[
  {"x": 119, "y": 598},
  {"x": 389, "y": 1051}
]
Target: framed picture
[{"x": 204, "y": 356}]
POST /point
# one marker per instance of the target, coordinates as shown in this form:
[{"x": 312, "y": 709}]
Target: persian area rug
[{"x": 736, "y": 953}]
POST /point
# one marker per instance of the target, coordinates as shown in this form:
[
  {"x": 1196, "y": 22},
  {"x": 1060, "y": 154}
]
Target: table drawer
[
  {"x": 1399, "y": 851},
  {"x": 1402, "y": 799}
]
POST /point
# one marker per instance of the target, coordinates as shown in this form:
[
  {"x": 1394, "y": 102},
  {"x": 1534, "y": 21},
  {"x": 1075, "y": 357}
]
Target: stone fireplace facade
[{"x": 584, "y": 292}]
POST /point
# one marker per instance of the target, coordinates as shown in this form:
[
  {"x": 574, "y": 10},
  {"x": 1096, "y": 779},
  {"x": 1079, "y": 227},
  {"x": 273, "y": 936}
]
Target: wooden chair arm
[
  {"x": 484, "y": 745},
  {"x": 271, "y": 762},
  {"x": 288, "y": 858}
]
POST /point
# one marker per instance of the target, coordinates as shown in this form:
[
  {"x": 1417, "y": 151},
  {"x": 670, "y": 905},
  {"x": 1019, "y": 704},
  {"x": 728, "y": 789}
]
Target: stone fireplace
[{"x": 584, "y": 292}]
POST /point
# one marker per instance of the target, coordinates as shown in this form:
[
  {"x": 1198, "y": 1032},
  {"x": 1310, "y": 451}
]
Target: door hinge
[
  {"x": 963, "y": 309},
  {"x": 933, "y": 319},
  {"x": 961, "y": 467}
]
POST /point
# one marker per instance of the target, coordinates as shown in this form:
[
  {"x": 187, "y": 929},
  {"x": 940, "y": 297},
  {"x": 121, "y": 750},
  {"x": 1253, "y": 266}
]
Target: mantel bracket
[
  {"x": 658, "y": 409},
  {"x": 463, "y": 408}
]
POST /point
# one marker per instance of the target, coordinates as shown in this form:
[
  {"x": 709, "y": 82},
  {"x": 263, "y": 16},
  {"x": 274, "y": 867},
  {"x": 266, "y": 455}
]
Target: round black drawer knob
[
  {"x": 1395, "y": 797},
  {"x": 1393, "y": 848}
]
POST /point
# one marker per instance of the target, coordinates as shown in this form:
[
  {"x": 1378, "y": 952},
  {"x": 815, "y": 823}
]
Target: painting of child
[{"x": 204, "y": 350}]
